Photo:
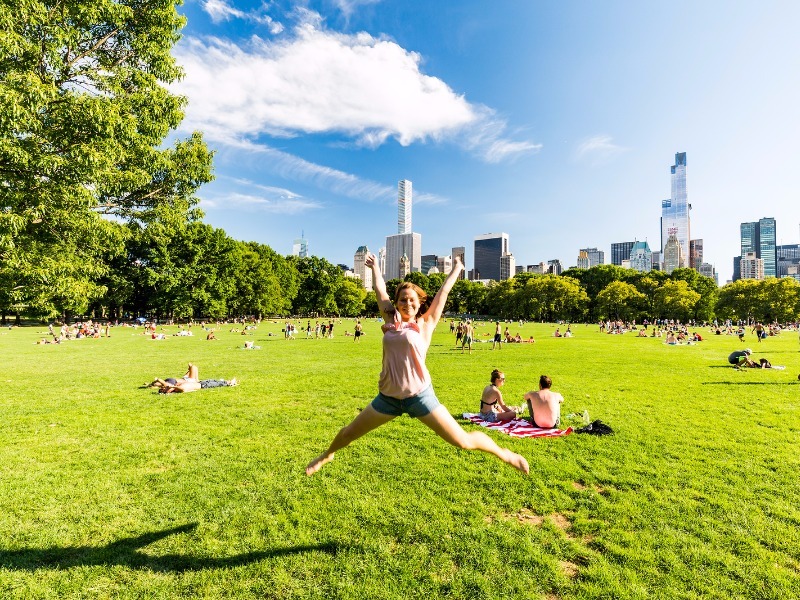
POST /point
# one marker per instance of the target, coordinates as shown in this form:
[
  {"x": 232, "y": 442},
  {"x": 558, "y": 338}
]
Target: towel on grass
[{"x": 517, "y": 427}]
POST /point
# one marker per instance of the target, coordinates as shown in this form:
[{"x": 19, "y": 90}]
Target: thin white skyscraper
[{"x": 404, "y": 197}]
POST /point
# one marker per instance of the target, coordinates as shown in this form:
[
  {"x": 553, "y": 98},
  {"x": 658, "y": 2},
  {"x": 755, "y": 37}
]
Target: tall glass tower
[
  {"x": 767, "y": 250},
  {"x": 404, "y": 206},
  {"x": 675, "y": 211}
]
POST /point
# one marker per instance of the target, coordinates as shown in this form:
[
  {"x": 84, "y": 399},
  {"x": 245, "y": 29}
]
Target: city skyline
[{"x": 316, "y": 109}]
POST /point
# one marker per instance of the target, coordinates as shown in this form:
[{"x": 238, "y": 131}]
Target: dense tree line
[{"x": 98, "y": 215}]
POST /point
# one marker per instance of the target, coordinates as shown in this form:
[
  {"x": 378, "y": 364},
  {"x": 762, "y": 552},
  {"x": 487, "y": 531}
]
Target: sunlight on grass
[{"x": 111, "y": 490}]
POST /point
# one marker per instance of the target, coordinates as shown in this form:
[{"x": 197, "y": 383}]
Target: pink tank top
[{"x": 404, "y": 372}]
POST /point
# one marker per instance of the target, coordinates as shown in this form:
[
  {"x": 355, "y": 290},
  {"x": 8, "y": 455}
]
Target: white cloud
[
  {"x": 320, "y": 82},
  {"x": 220, "y": 10},
  {"x": 348, "y": 7},
  {"x": 599, "y": 148}
]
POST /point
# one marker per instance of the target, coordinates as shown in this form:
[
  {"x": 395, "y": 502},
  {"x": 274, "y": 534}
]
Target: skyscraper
[
  {"x": 583, "y": 259},
  {"x": 788, "y": 255},
  {"x": 620, "y": 251},
  {"x": 489, "y": 248},
  {"x": 759, "y": 238},
  {"x": 767, "y": 245},
  {"x": 404, "y": 206},
  {"x": 398, "y": 246},
  {"x": 675, "y": 211}
]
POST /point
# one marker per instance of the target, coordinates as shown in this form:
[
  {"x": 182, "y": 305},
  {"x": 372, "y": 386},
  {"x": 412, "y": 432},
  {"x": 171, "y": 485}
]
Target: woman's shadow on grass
[{"x": 125, "y": 552}]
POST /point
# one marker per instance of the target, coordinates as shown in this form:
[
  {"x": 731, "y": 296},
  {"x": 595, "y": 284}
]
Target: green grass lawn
[{"x": 109, "y": 490}]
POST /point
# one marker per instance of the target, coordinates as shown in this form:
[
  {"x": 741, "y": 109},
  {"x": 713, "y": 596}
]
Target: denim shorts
[
  {"x": 416, "y": 406},
  {"x": 490, "y": 417}
]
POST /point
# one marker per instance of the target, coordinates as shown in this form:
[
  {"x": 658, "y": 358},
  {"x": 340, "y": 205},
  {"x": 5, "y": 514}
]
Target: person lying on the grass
[
  {"x": 544, "y": 405},
  {"x": 193, "y": 386},
  {"x": 192, "y": 375},
  {"x": 493, "y": 408},
  {"x": 741, "y": 358},
  {"x": 405, "y": 384}
]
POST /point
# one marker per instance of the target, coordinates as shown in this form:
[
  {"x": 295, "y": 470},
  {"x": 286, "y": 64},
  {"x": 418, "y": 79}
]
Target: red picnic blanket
[{"x": 517, "y": 427}]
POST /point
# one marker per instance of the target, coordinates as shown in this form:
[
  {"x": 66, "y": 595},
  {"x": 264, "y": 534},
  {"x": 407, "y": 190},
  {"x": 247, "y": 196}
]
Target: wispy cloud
[
  {"x": 598, "y": 149},
  {"x": 220, "y": 10},
  {"x": 252, "y": 197},
  {"x": 348, "y": 7},
  {"x": 315, "y": 81}
]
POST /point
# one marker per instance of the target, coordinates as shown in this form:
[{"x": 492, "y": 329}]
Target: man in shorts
[{"x": 741, "y": 358}]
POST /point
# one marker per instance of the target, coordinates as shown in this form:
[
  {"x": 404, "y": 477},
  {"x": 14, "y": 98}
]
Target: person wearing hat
[{"x": 741, "y": 358}]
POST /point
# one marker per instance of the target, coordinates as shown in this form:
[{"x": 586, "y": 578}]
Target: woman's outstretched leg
[
  {"x": 367, "y": 420},
  {"x": 446, "y": 427}
]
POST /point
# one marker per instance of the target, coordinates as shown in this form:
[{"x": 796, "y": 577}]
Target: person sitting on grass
[
  {"x": 493, "y": 408},
  {"x": 544, "y": 405},
  {"x": 405, "y": 383},
  {"x": 741, "y": 358}
]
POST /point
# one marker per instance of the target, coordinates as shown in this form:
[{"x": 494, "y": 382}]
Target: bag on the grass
[{"x": 596, "y": 428}]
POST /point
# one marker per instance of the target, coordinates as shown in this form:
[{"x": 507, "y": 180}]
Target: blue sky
[{"x": 555, "y": 122}]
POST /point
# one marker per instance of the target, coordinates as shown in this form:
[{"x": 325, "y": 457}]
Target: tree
[
  {"x": 350, "y": 297},
  {"x": 319, "y": 282},
  {"x": 620, "y": 300},
  {"x": 739, "y": 300},
  {"x": 258, "y": 287},
  {"x": 84, "y": 112},
  {"x": 674, "y": 300},
  {"x": 705, "y": 286},
  {"x": 781, "y": 300}
]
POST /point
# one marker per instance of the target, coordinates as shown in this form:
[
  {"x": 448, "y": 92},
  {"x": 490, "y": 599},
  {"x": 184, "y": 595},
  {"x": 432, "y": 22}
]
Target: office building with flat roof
[
  {"x": 489, "y": 249},
  {"x": 398, "y": 246},
  {"x": 620, "y": 251}
]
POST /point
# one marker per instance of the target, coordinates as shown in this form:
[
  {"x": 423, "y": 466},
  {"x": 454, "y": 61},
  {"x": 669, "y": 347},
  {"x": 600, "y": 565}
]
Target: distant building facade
[
  {"x": 489, "y": 249},
  {"x": 788, "y": 255},
  {"x": 673, "y": 255},
  {"x": 752, "y": 267},
  {"x": 300, "y": 247},
  {"x": 460, "y": 251},
  {"x": 620, "y": 251},
  {"x": 398, "y": 246},
  {"x": 404, "y": 199},
  {"x": 759, "y": 237},
  {"x": 695, "y": 254},
  {"x": 555, "y": 267},
  {"x": 583, "y": 260},
  {"x": 675, "y": 218},
  {"x": 427, "y": 262},
  {"x": 507, "y": 266},
  {"x": 641, "y": 257},
  {"x": 596, "y": 257},
  {"x": 360, "y": 269}
]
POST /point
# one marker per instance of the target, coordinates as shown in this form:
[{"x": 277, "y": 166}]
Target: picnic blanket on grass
[{"x": 517, "y": 427}]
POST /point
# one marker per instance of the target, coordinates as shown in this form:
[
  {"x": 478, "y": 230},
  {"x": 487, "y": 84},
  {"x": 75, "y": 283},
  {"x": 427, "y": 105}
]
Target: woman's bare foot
[
  {"x": 316, "y": 464},
  {"x": 517, "y": 461}
]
